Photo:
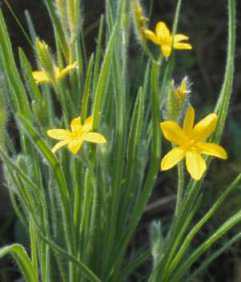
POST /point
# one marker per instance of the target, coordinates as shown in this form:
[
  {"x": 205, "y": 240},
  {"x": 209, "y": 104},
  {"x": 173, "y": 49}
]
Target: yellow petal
[
  {"x": 64, "y": 72},
  {"x": 75, "y": 145},
  {"x": 195, "y": 164},
  {"x": 162, "y": 32},
  {"x": 57, "y": 71},
  {"x": 88, "y": 124},
  {"x": 94, "y": 138},
  {"x": 189, "y": 120},
  {"x": 172, "y": 158},
  {"x": 173, "y": 133},
  {"x": 151, "y": 36},
  {"x": 204, "y": 128},
  {"x": 166, "y": 50},
  {"x": 59, "y": 145},
  {"x": 182, "y": 46},
  {"x": 75, "y": 124},
  {"x": 212, "y": 149},
  {"x": 40, "y": 77},
  {"x": 180, "y": 37},
  {"x": 59, "y": 134}
]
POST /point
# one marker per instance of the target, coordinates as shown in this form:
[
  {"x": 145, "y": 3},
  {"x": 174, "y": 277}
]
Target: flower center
[
  {"x": 76, "y": 134},
  {"x": 190, "y": 144},
  {"x": 167, "y": 40}
]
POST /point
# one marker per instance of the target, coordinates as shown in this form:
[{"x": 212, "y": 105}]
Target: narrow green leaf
[
  {"x": 86, "y": 271},
  {"x": 27, "y": 73},
  {"x": 180, "y": 254},
  {"x": 30, "y": 26},
  {"x": 214, "y": 255},
  {"x": 219, "y": 233},
  {"x": 153, "y": 169},
  {"x": 133, "y": 160},
  {"x": 21, "y": 257},
  {"x": 87, "y": 89},
  {"x": 98, "y": 52},
  {"x": 103, "y": 79},
  {"x": 223, "y": 102},
  {"x": 58, "y": 29},
  {"x": 19, "y": 96}
]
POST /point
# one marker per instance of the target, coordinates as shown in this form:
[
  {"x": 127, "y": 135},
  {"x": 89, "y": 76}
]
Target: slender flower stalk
[
  {"x": 191, "y": 143},
  {"x": 167, "y": 41},
  {"x": 42, "y": 77},
  {"x": 75, "y": 137}
]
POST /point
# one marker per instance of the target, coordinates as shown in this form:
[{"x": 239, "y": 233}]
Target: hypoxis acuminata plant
[{"x": 82, "y": 197}]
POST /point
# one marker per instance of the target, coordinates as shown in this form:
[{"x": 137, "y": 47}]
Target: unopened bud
[
  {"x": 45, "y": 58},
  {"x": 139, "y": 18},
  {"x": 178, "y": 99}
]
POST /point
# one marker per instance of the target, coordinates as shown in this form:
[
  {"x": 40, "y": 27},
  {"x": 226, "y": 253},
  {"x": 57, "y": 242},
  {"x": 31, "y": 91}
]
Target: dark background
[{"x": 206, "y": 24}]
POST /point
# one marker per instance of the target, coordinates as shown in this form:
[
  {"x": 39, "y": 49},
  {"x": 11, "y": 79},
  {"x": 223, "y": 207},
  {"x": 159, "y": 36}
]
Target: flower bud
[
  {"x": 73, "y": 12},
  {"x": 139, "y": 19},
  {"x": 178, "y": 99},
  {"x": 61, "y": 11},
  {"x": 45, "y": 58}
]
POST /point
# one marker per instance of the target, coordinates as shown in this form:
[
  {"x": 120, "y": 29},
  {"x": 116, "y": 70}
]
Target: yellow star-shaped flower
[
  {"x": 163, "y": 37},
  {"x": 76, "y": 136},
  {"x": 191, "y": 143},
  {"x": 42, "y": 77}
]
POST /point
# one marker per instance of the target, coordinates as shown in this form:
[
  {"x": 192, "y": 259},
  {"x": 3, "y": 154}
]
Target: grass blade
[{"x": 21, "y": 257}]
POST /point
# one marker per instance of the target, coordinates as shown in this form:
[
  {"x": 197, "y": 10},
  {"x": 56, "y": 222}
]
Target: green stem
[
  {"x": 180, "y": 187},
  {"x": 33, "y": 244}
]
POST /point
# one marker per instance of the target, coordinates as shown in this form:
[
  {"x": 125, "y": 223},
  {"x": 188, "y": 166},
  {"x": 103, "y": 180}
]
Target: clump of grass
[{"x": 82, "y": 198}]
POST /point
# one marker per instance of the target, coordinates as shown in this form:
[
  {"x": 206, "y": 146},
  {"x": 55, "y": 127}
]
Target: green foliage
[
  {"x": 3, "y": 112},
  {"x": 21, "y": 257},
  {"x": 82, "y": 211}
]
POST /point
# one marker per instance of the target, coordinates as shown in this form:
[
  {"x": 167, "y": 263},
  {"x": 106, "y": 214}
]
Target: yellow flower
[
  {"x": 42, "y": 77},
  {"x": 191, "y": 143},
  {"x": 75, "y": 137},
  {"x": 166, "y": 40}
]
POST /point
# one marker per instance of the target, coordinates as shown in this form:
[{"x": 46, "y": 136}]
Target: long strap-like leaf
[{"x": 21, "y": 257}]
